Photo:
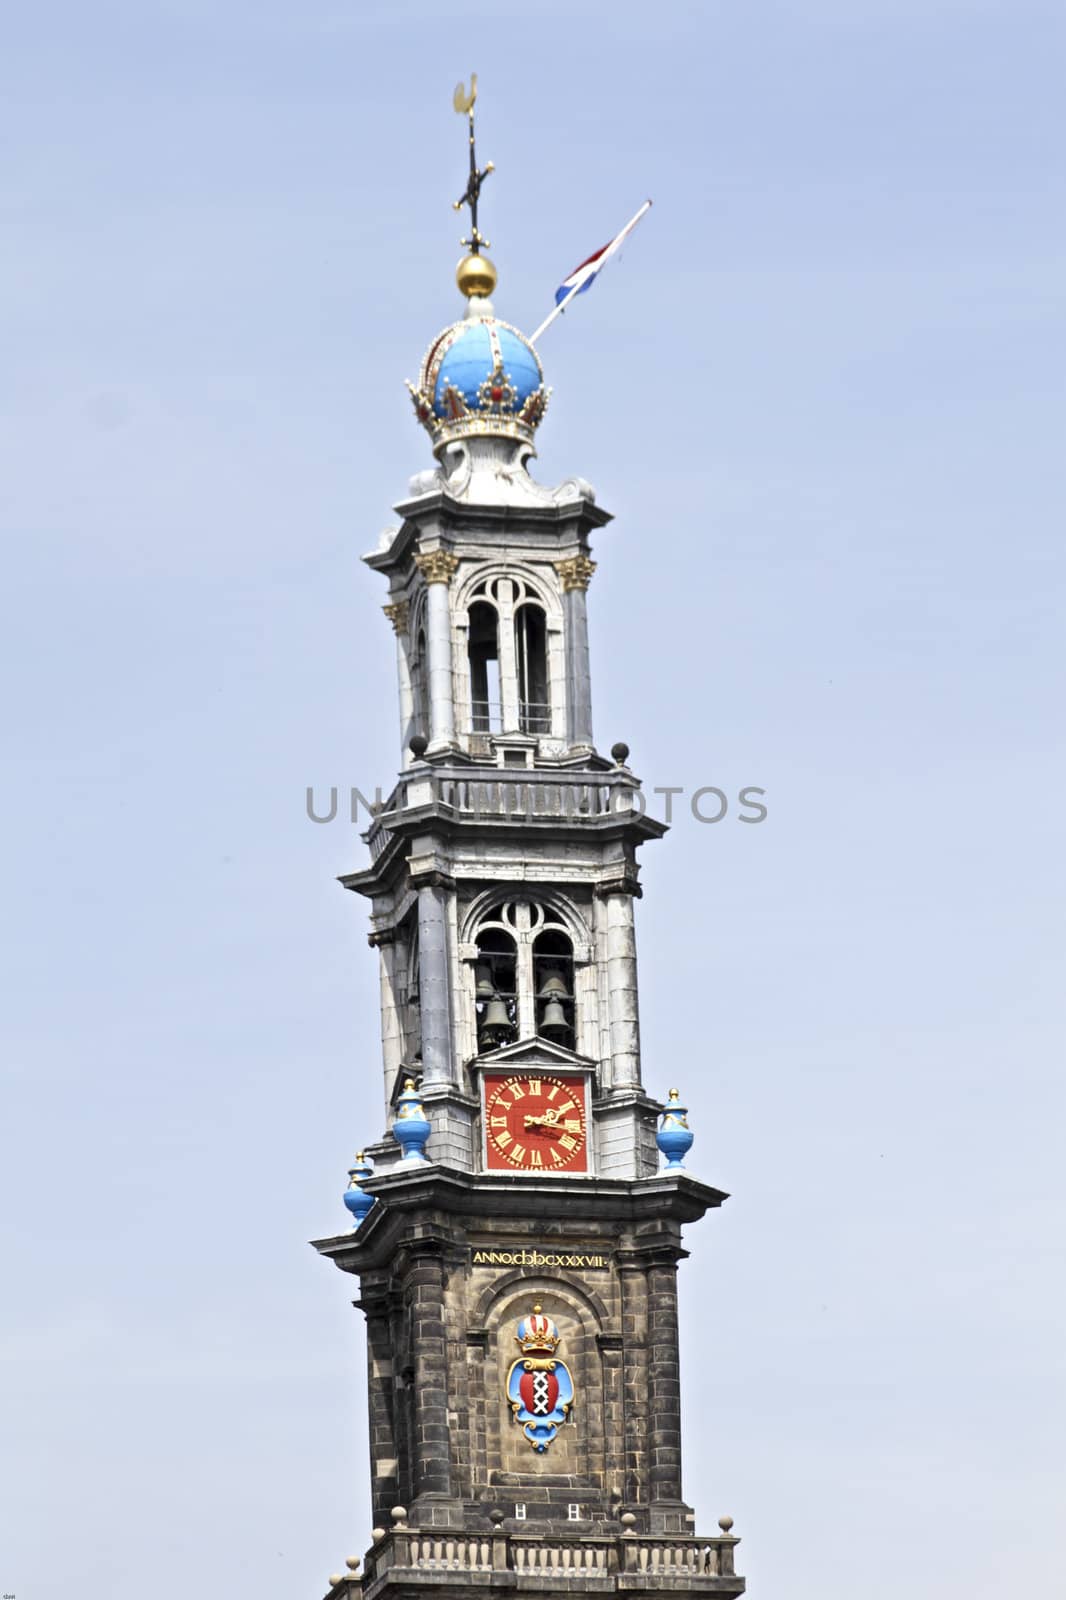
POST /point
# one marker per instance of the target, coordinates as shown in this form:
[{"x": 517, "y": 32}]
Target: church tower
[{"x": 515, "y": 1241}]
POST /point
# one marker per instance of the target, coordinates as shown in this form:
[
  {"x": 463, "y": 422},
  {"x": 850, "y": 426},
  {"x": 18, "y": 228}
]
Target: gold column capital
[
  {"x": 575, "y": 572},
  {"x": 437, "y": 566},
  {"x": 398, "y": 614}
]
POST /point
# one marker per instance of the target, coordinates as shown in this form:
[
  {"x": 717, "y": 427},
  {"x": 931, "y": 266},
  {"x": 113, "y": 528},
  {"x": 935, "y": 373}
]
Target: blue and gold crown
[
  {"x": 537, "y": 1332},
  {"x": 480, "y": 376}
]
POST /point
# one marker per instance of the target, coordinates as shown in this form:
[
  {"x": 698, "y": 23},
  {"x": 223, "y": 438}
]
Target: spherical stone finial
[
  {"x": 476, "y": 277},
  {"x": 418, "y": 744},
  {"x": 333, "y": 1579},
  {"x": 725, "y": 1523},
  {"x": 496, "y": 1516},
  {"x": 628, "y": 1521},
  {"x": 399, "y": 1516},
  {"x": 376, "y": 1535},
  {"x": 352, "y": 1563},
  {"x": 620, "y": 752}
]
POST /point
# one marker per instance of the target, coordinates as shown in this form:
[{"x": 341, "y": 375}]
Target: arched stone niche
[{"x": 575, "y": 1458}]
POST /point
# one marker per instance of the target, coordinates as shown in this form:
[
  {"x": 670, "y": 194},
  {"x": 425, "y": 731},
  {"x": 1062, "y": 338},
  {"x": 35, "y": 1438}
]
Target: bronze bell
[
  {"x": 496, "y": 1016},
  {"x": 554, "y": 1018},
  {"x": 553, "y": 987},
  {"x": 484, "y": 988}
]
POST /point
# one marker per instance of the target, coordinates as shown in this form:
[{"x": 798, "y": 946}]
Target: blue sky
[{"x": 822, "y": 393}]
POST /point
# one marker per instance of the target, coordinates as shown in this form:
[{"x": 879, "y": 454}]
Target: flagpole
[{"x": 614, "y": 245}]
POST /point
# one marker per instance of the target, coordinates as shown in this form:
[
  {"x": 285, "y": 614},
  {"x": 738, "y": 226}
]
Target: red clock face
[{"x": 535, "y": 1122}]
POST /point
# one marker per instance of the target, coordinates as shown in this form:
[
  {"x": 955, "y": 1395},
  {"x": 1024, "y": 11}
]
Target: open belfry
[{"x": 515, "y": 1240}]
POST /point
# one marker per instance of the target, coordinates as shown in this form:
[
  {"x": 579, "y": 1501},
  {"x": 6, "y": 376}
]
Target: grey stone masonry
[
  {"x": 522, "y": 1322},
  {"x": 448, "y": 1264}
]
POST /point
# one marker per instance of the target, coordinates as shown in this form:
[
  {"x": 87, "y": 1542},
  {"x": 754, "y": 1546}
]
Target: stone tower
[{"x": 516, "y": 1244}]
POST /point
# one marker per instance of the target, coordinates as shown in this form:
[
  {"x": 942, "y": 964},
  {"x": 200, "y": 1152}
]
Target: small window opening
[
  {"x": 419, "y": 690},
  {"x": 531, "y": 656},
  {"x": 553, "y": 985},
  {"x": 520, "y": 1513},
  {"x": 495, "y": 989},
  {"x": 573, "y": 1512},
  {"x": 483, "y": 654}
]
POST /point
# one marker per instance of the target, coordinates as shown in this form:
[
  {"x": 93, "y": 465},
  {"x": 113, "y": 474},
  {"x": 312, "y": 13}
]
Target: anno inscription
[{"x": 574, "y": 1260}]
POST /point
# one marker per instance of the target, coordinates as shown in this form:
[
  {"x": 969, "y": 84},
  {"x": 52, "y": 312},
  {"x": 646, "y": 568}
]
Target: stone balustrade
[
  {"x": 529, "y": 795},
  {"x": 629, "y": 1562}
]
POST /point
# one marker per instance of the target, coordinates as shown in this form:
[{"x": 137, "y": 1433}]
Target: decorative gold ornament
[
  {"x": 437, "y": 566},
  {"x": 461, "y": 99},
  {"x": 575, "y": 572},
  {"x": 398, "y": 614},
  {"x": 476, "y": 277},
  {"x": 464, "y": 105}
]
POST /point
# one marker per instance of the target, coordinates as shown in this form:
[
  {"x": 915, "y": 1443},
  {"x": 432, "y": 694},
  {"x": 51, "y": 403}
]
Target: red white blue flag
[{"x": 584, "y": 276}]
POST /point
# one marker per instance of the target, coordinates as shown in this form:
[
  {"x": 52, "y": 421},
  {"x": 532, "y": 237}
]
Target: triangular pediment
[{"x": 536, "y": 1052}]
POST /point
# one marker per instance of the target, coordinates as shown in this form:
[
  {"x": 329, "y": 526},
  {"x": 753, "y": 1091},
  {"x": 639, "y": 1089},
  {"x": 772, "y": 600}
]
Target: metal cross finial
[{"x": 464, "y": 105}]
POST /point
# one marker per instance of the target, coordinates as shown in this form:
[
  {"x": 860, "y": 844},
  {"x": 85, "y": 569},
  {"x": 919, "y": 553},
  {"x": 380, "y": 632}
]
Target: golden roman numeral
[
  {"x": 518, "y": 1091},
  {"x": 503, "y": 1140},
  {"x": 534, "y": 1085},
  {"x": 568, "y": 1106},
  {"x": 534, "y": 1159},
  {"x": 573, "y": 1124},
  {"x": 568, "y": 1142},
  {"x": 518, "y": 1153},
  {"x": 553, "y": 1092},
  {"x": 498, "y": 1122},
  {"x": 556, "y": 1157}
]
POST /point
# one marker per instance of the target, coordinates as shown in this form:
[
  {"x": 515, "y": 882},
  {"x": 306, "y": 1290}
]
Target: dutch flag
[{"x": 584, "y": 276}]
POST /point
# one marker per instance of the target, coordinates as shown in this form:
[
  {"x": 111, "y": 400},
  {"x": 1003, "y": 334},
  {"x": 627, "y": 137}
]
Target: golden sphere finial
[{"x": 476, "y": 275}]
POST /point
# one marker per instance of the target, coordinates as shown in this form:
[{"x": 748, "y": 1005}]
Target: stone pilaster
[
  {"x": 575, "y": 574},
  {"x": 434, "y": 986},
  {"x": 431, "y": 1465},
  {"x": 438, "y": 568},
  {"x": 664, "y": 1399},
  {"x": 622, "y": 987}
]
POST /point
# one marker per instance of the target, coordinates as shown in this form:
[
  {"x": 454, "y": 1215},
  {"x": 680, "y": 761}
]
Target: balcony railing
[
  {"x": 531, "y": 796},
  {"x": 629, "y": 1562}
]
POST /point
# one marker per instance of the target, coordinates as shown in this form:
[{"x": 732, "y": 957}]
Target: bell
[
  {"x": 554, "y": 1018},
  {"x": 553, "y": 987},
  {"x": 484, "y": 988},
  {"x": 496, "y": 1017}
]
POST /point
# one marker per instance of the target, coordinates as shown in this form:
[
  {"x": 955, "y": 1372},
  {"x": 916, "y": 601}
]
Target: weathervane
[
  {"x": 475, "y": 274},
  {"x": 464, "y": 105}
]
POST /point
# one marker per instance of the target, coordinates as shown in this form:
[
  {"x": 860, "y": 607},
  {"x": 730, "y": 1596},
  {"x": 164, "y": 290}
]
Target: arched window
[
  {"x": 524, "y": 976},
  {"x": 419, "y": 686},
  {"x": 495, "y": 988},
  {"x": 531, "y": 659},
  {"x": 553, "y": 986},
  {"x": 410, "y": 1003},
  {"x": 483, "y": 655}
]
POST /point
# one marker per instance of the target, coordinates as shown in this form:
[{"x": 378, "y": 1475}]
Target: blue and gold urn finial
[
  {"x": 356, "y": 1198},
  {"x": 411, "y": 1125},
  {"x": 674, "y": 1137}
]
